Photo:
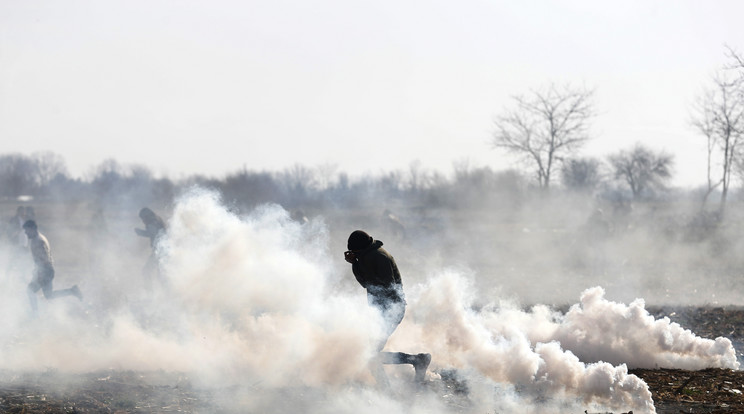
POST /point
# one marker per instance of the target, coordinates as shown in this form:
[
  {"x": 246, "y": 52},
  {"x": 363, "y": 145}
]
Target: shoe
[
  {"x": 77, "y": 293},
  {"x": 421, "y": 364}
]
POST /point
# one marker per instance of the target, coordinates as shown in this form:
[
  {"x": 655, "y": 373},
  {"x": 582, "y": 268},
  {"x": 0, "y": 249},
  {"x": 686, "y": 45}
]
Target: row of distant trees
[
  {"x": 546, "y": 128},
  {"x": 21, "y": 174},
  {"x": 44, "y": 175},
  {"x": 630, "y": 174}
]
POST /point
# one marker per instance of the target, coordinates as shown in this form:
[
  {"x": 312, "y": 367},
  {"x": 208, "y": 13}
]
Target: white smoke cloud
[
  {"x": 253, "y": 300},
  {"x": 598, "y": 329},
  {"x": 584, "y": 352},
  {"x": 496, "y": 343}
]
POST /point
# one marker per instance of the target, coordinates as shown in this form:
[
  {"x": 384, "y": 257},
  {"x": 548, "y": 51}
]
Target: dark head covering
[
  {"x": 359, "y": 240},
  {"x": 146, "y": 214},
  {"x": 30, "y": 224}
]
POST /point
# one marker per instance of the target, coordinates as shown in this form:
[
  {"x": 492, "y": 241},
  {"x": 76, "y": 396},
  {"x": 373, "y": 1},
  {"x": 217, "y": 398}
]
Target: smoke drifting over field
[{"x": 261, "y": 304}]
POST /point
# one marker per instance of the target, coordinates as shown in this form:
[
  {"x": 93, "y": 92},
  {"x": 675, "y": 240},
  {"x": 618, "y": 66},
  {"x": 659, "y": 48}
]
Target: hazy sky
[{"x": 210, "y": 86}]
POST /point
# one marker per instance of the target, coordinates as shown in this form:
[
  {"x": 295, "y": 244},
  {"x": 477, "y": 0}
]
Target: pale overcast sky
[{"x": 210, "y": 86}]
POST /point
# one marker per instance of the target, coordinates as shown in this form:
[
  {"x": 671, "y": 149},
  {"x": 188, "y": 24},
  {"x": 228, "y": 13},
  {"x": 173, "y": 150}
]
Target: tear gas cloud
[{"x": 260, "y": 299}]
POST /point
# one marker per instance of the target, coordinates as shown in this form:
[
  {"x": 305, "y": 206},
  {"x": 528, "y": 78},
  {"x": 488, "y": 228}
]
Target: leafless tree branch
[{"x": 545, "y": 127}]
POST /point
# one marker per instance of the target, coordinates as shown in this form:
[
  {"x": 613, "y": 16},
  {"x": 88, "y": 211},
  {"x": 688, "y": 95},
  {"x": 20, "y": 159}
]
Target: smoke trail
[
  {"x": 493, "y": 343},
  {"x": 245, "y": 299},
  {"x": 262, "y": 281},
  {"x": 598, "y": 329},
  {"x": 545, "y": 351},
  {"x": 253, "y": 300}
]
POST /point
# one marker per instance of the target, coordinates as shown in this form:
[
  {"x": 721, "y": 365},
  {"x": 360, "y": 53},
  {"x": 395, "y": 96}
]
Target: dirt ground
[
  {"x": 708, "y": 390},
  {"x": 674, "y": 390}
]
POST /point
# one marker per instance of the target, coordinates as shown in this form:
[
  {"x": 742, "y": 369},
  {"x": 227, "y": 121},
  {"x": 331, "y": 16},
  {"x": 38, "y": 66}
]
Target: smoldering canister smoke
[{"x": 258, "y": 300}]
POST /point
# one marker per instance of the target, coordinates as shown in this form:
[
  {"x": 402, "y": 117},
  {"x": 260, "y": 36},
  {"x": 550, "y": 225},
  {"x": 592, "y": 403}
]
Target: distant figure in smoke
[
  {"x": 375, "y": 269},
  {"x": 15, "y": 228},
  {"x": 30, "y": 213},
  {"x": 154, "y": 230},
  {"x": 43, "y": 268},
  {"x": 17, "y": 239},
  {"x": 597, "y": 226},
  {"x": 393, "y": 224}
]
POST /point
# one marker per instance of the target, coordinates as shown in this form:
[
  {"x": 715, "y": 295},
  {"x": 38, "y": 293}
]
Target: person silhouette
[
  {"x": 43, "y": 268},
  {"x": 375, "y": 269}
]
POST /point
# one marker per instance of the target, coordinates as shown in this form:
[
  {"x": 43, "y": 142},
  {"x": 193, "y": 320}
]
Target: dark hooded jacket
[
  {"x": 154, "y": 226},
  {"x": 376, "y": 271}
]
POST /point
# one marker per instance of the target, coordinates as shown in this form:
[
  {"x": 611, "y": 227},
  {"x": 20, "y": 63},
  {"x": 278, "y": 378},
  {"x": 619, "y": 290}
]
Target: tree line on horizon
[
  {"x": 632, "y": 175},
  {"x": 544, "y": 129}
]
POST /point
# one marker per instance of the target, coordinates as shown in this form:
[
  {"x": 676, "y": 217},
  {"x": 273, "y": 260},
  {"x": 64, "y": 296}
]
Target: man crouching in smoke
[{"x": 375, "y": 269}]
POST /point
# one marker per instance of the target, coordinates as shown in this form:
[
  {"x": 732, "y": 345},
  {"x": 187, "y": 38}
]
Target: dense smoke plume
[{"x": 259, "y": 304}]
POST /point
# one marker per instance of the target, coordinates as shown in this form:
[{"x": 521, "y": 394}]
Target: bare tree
[
  {"x": 419, "y": 178},
  {"x": 545, "y": 127},
  {"x": 48, "y": 166},
  {"x": 106, "y": 177},
  {"x": 705, "y": 123},
  {"x": 247, "y": 188},
  {"x": 326, "y": 174},
  {"x": 736, "y": 59},
  {"x": 113, "y": 181},
  {"x": 298, "y": 182},
  {"x": 17, "y": 175},
  {"x": 720, "y": 118},
  {"x": 582, "y": 174},
  {"x": 642, "y": 169}
]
